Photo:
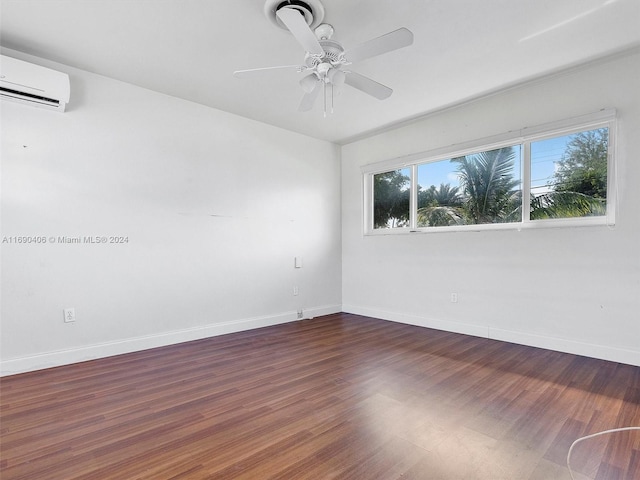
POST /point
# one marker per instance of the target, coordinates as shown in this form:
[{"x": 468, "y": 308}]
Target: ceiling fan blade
[
  {"x": 309, "y": 99},
  {"x": 252, "y": 71},
  {"x": 377, "y": 46},
  {"x": 367, "y": 85},
  {"x": 297, "y": 25}
]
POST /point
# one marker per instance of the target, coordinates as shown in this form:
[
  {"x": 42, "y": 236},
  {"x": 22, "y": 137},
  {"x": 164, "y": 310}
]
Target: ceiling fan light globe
[
  {"x": 324, "y": 31},
  {"x": 309, "y": 83},
  {"x": 324, "y": 68}
]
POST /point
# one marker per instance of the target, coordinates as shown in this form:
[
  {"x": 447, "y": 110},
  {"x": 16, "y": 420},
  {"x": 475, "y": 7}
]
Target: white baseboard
[
  {"x": 467, "y": 329},
  {"x": 91, "y": 352},
  {"x": 603, "y": 352},
  {"x": 128, "y": 345}
]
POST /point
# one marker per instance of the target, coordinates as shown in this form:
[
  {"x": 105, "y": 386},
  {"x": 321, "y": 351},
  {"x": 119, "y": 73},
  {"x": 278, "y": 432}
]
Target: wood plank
[{"x": 341, "y": 396}]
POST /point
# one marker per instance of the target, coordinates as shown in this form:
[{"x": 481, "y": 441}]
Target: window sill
[{"x": 602, "y": 221}]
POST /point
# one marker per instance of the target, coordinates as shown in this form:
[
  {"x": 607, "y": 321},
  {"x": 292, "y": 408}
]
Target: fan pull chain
[
  {"x": 324, "y": 100},
  {"x": 331, "y": 97}
]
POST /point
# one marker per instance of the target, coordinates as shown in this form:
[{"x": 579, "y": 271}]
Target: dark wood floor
[{"x": 341, "y": 396}]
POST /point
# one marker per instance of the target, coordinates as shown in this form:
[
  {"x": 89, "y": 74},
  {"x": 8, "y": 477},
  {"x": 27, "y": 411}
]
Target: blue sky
[{"x": 544, "y": 156}]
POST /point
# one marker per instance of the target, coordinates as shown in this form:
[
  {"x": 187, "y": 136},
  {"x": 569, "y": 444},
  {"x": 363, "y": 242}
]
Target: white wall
[
  {"x": 572, "y": 289},
  {"x": 215, "y": 208}
]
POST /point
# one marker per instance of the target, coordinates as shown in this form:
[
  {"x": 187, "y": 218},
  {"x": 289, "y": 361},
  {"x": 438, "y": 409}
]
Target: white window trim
[{"x": 524, "y": 137}]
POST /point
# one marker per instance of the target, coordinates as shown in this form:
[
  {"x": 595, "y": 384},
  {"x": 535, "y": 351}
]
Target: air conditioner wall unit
[{"x": 33, "y": 85}]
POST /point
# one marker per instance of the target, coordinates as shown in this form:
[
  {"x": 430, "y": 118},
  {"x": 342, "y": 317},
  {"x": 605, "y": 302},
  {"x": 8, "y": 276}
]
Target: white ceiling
[{"x": 463, "y": 49}]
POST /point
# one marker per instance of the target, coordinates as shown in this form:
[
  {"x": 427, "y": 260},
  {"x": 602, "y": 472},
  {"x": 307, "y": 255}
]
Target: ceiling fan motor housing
[
  {"x": 311, "y": 10},
  {"x": 333, "y": 53}
]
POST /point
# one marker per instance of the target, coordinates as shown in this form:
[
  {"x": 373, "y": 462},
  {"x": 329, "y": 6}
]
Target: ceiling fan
[{"x": 325, "y": 58}]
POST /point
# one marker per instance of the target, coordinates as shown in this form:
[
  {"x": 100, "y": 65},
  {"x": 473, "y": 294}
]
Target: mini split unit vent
[{"x": 33, "y": 85}]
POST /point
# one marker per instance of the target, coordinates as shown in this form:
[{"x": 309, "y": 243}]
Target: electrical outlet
[
  {"x": 454, "y": 298},
  {"x": 69, "y": 315},
  {"x": 300, "y": 314},
  {"x": 296, "y": 291}
]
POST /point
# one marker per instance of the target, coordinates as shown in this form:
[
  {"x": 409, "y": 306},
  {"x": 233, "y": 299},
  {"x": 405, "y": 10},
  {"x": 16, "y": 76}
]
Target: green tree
[
  {"x": 580, "y": 182},
  {"x": 390, "y": 199},
  {"x": 489, "y": 188},
  {"x": 583, "y": 167}
]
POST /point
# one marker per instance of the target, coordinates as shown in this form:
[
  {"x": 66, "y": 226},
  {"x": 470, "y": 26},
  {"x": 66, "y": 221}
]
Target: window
[
  {"x": 569, "y": 175},
  {"x": 556, "y": 175},
  {"x": 391, "y": 199},
  {"x": 472, "y": 189}
]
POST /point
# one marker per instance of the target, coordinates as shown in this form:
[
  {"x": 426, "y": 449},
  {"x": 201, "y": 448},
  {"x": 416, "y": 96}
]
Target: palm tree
[
  {"x": 440, "y": 207},
  {"x": 489, "y": 187},
  {"x": 566, "y": 205}
]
